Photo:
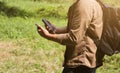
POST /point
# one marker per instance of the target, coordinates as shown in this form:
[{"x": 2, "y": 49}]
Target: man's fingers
[
  {"x": 39, "y": 30},
  {"x": 47, "y": 27},
  {"x": 39, "y": 27}
]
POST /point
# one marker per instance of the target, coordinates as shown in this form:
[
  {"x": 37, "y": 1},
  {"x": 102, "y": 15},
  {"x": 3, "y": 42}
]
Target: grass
[{"x": 22, "y": 50}]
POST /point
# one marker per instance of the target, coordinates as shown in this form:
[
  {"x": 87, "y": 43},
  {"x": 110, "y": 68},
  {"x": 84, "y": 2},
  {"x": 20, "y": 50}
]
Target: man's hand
[
  {"x": 43, "y": 32},
  {"x": 53, "y": 37}
]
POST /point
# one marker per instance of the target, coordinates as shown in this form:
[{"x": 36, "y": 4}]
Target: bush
[
  {"x": 12, "y": 11},
  {"x": 52, "y": 11}
]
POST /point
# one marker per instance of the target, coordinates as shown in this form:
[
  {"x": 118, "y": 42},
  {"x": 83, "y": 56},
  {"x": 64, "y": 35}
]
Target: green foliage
[
  {"x": 52, "y": 11},
  {"x": 15, "y": 28},
  {"x": 12, "y": 11},
  {"x": 33, "y": 9}
]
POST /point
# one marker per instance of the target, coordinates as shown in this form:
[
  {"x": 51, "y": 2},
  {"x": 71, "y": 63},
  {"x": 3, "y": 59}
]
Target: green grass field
[{"x": 22, "y": 50}]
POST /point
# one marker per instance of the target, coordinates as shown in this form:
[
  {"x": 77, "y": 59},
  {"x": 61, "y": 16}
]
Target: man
[{"x": 81, "y": 36}]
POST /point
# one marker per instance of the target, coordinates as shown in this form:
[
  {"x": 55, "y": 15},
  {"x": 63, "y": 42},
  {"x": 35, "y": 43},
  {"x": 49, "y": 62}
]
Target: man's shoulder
[{"x": 86, "y": 2}]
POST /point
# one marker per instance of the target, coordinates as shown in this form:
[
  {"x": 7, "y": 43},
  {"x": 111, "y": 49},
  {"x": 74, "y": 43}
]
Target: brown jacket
[
  {"x": 110, "y": 40},
  {"x": 85, "y": 24}
]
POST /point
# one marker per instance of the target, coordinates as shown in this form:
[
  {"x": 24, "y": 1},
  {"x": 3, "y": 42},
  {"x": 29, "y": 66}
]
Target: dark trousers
[{"x": 80, "y": 69}]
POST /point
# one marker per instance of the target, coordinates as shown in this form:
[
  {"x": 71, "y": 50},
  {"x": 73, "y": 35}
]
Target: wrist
[{"x": 50, "y": 36}]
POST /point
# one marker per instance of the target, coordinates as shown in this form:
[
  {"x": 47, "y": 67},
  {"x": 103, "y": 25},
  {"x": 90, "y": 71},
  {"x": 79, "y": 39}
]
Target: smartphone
[{"x": 48, "y": 24}]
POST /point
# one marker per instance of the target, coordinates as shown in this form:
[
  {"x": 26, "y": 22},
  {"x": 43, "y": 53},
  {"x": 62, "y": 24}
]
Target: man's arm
[
  {"x": 54, "y": 37},
  {"x": 61, "y": 30},
  {"x": 81, "y": 20}
]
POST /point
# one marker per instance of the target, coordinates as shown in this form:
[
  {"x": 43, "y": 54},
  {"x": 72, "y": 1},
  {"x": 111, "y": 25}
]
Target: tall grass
[{"x": 22, "y": 50}]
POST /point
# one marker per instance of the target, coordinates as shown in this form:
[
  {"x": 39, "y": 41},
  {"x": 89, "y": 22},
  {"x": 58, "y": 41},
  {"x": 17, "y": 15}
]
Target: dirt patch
[
  {"x": 5, "y": 48},
  {"x": 7, "y": 45},
  {"x": 4, "y": 56}
]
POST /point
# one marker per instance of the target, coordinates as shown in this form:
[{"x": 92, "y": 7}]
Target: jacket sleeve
[{"x": 78, "y": 24}]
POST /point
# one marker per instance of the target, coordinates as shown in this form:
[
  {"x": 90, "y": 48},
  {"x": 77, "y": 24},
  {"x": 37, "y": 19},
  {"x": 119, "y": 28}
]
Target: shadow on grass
[{"x": 12, "y": 11}]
